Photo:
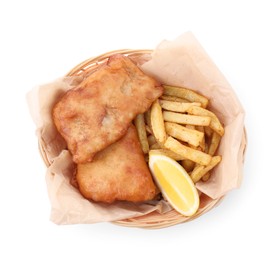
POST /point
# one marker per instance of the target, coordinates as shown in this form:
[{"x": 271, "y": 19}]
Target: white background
[{"x": 42, "y": 40}]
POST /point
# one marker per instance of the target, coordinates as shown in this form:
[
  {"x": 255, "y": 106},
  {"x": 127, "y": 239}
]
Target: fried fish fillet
[
  {"x": 98, "y": 112},
  {"x": 119, "y": 172}
]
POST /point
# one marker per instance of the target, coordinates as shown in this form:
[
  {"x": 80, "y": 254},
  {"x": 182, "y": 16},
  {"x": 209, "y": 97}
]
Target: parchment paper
[
  {"x": 184, "y": 62},
  {"x": 181, "y": 62}
]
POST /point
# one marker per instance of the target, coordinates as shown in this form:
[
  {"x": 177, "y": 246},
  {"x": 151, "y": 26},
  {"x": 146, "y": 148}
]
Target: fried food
[
  {"x": 119, "y": 172},
  {"x": 99, "y": 111},
  {"x": 187, "y": 152},
  {"x": 181, "y": 107},
  {"x": 200, "y": 170},
  {"x": 215, "y": 123},
  {"x": 139, "y": 122},
  {"x": 186, "y": 94},
  {"x": 183, "y": 133},
  {"x": 186, "y": 119},
  {"x": 192, "y": 133},
  {"x": 157, "y": 123}
]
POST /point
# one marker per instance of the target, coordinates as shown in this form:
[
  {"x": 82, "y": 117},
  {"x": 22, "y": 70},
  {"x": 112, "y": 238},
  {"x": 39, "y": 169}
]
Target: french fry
[
  {"x": 168, "y": 153},
  {"x": 215, "y": 124},
  {"x": 172, "y": 98},
  {"x": 215, "y": 141},
  {"x": 188, "y": 165},
  {"x": 186, "y": 119},
  {"x": 147, "y": 116},
  {"x": 197, "y": 175},
  {"x": 186, "y": 94},
  {"x": 202, "y": 142},
  {"x": 206, "y": 148},
  {"x": 149, "y": 130},
  {"x": 142, "y": 134},
  {"x": 187, "y": 152},
  {"x": 190, "y": 127},
  {"x": 200, "y": 128},
  {"x": 151, "y": 140},
  {"x": 206, "y": 176},
  {"x": 208, "y": 131},
  {"x": 155, "y": 146},
  {"x": 177, "y": 106},
  {"x": 198, "y": 148},
  {"x": 182, "y": 133},
  {"x": 157, "y": 122}
]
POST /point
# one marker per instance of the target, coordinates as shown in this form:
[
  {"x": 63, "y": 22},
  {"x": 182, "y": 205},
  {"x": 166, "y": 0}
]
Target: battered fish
[
  {"x": 119, "y": 172},
  {"x": 98, "y": 112}
]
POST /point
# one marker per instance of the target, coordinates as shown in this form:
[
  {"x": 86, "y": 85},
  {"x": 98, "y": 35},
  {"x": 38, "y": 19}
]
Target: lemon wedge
[{"x": 174, "y": 183}]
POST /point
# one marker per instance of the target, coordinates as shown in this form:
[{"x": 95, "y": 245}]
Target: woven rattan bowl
[{"x": 155, "y": 219}]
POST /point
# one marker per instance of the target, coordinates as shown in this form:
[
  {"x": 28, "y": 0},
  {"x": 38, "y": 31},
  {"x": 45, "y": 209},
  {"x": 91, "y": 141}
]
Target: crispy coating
[
  {"x": 119, "y": 172},
  {"x": 98, "y": 112}
]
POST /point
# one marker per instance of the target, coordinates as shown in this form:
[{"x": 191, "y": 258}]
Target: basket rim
[
  {"x": 102, "y": 57},
  {"x": 89, "y": 65}
]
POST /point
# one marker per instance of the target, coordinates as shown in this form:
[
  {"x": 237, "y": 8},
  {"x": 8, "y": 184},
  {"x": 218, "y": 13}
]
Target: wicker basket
[{"x": 155, "y": 219}]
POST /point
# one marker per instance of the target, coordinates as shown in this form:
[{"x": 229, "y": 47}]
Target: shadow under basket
[{"x": 153, "y": 220}]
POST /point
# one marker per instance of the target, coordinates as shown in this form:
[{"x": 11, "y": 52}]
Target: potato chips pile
[{"x": 180, "y": 126}]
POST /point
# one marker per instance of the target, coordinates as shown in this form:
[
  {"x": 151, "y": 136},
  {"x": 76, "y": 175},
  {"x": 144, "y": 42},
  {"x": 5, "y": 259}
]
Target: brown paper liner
[{"x": 181, "y": 62}]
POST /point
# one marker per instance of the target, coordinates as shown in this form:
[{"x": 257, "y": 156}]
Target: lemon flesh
[{"x": 175, "y": 184}]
